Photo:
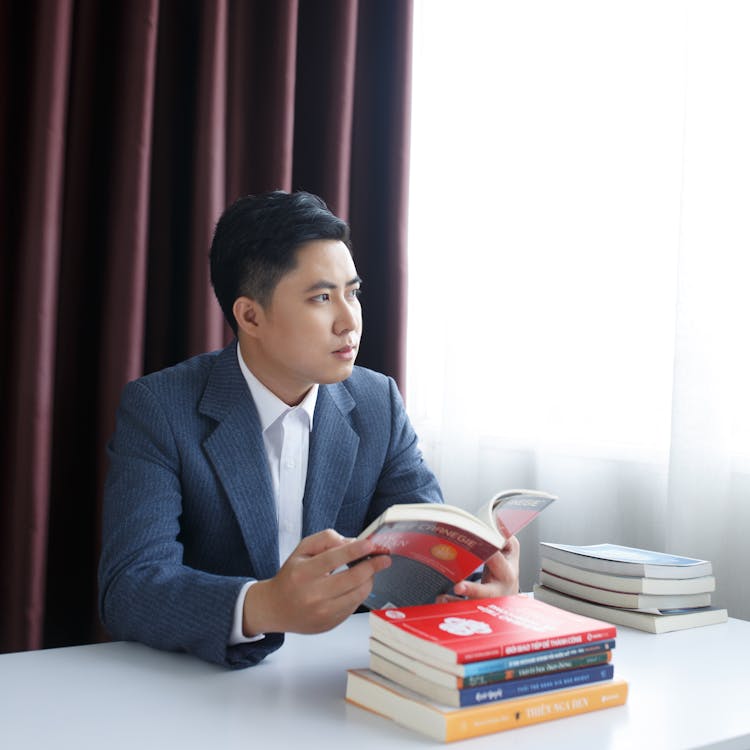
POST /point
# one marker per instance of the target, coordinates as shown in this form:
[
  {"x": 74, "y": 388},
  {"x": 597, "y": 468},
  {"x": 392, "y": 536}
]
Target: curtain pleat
[
  {"x": 206, "y": 327},
  {"x": 378, "y": 184},
  {"x": 324, "y": 101},
  {"x": 124, "y": 302},
  {"x": 261, "y": 80},
  {"x": 32, "y": 361},
  {"x": 128, "y": 128}
]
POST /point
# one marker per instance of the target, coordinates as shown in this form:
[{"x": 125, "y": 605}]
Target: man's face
[{"x": 310, "y": 331}]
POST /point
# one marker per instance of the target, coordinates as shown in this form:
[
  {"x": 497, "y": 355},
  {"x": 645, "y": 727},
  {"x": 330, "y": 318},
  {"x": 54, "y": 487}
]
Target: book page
[{"x": 511, "y": 510}]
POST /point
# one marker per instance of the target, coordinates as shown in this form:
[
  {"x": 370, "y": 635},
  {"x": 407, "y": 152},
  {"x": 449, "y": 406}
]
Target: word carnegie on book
[{"x": 433, "y": 546}]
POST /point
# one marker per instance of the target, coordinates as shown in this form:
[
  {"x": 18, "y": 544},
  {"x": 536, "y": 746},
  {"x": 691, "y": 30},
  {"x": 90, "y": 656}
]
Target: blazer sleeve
[{"x": 146, "y": 592}]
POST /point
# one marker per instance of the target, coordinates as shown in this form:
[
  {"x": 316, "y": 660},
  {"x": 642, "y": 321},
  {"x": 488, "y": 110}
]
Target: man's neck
[{"x": 289, "y": 397}]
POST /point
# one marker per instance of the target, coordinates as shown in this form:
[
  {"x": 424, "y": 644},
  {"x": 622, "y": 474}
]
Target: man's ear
[{"x": 248, "y": 314}]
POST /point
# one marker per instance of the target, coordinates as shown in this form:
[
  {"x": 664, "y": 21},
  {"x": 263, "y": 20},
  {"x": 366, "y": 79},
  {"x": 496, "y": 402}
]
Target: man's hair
[{"x": 256, "y": 241}]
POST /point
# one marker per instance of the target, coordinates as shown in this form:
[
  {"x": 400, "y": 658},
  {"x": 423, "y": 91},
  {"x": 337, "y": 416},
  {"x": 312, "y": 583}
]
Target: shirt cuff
[{"x": 237, "y": 635}]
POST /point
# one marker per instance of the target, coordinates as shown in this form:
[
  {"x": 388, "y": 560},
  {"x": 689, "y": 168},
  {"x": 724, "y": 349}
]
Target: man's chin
[{"x": 342, "y": 372}]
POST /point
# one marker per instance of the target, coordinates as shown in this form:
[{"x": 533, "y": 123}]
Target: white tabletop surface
[{"x": 687, "y": 690}]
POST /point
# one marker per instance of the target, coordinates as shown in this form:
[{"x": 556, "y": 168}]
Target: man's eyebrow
[{"x": 323, "y": 284}]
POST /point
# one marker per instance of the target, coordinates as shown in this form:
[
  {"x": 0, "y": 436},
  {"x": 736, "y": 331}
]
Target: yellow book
[{"x": 382, "y": 696}]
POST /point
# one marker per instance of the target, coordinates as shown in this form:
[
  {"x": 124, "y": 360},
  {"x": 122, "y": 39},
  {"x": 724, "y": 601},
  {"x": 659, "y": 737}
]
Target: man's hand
[
  {"x": 313, "y": 591},
  {"x": 500, "y": 576}
]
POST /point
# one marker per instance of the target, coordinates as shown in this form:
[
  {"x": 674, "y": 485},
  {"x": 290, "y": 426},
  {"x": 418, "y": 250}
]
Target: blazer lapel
[
  {"x": 333, "y": 449},
  {"x": 236, "y": 451}
]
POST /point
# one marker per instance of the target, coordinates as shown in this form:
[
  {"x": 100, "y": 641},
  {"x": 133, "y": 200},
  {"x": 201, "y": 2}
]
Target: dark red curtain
[{"x": 126, "y": 128}]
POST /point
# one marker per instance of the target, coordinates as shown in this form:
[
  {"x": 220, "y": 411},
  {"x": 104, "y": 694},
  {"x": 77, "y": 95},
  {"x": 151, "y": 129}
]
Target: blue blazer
[{"x": 189, "y": 513}]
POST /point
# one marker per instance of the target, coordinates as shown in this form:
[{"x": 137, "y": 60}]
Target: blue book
[{"x": 474, "y": 696}]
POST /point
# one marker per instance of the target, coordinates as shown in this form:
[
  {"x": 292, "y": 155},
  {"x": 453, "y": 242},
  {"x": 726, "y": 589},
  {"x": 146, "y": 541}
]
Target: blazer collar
[
  {"x": 237, "y": 453},
  {"x": 333, "y": 450}
]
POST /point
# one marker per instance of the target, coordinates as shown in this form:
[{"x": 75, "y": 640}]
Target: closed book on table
[
  {"x": 499, "y": 670},
  {"x": 626, "y": 599},
  {"x": 629, "y": 561},
  {"x": 630, "y": 583},
  {"x": 375, "y": 693},
  {"x": 477, "y": 695},
  {"x": 651, "y": 623},
  {"x": 472, "y": 630}
]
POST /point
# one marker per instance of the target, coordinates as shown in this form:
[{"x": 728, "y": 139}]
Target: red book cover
[
  {"x": 430, "y": 552},
  {"x": 449, "y": 550},
  {"x": 460, "y": 632}
]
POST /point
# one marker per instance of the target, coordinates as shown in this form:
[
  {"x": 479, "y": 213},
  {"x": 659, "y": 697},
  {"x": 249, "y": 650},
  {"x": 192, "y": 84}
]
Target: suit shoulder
[
  {"x": 374, "y": 393},
  {"x": 186, "y": 375},
  {"x": 363, "y": 381}
]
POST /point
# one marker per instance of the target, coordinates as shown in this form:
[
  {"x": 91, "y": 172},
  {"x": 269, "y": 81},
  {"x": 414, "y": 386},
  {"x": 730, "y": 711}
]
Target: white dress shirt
[{"x": 286, "y": 436}]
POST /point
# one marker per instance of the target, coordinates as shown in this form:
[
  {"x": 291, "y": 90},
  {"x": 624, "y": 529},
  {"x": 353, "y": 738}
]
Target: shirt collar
[{"x": 271, "y": 407}]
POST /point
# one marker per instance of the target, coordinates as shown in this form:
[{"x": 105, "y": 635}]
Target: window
[{"x": 579, "y": 249}]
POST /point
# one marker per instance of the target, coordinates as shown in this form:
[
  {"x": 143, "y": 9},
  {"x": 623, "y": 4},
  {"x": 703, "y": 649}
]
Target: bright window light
[{"x": 547, "y": 217}]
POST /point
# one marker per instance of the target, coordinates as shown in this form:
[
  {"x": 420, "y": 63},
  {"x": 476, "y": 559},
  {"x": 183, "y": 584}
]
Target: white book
[
  {"x": 652, "y": 623},
  {"x": 644, "y": 602},
  {"x": 632, "y": 584},
  {"x": 629, "y": 561}
]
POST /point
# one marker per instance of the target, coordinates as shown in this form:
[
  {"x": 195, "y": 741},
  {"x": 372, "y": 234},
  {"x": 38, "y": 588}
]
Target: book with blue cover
[{"x": 474, "y": 696}]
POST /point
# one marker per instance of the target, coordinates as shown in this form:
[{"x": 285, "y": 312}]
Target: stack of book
[
  {"x": 642, "y": 589},
  {"x": 473, "y": 667}
]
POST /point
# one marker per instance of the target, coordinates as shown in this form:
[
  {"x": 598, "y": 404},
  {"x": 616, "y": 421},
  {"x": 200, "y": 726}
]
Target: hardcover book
[
  {"x": 630, "y": 561},
  {"x": 472, "y": 630},
  {"x": 653, "y": 623},
  {"x": 434, "y": 546},
  {"x": 387, "y": 698}
]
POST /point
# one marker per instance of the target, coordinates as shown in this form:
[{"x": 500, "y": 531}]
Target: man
[{"x": 274, "y": 450}]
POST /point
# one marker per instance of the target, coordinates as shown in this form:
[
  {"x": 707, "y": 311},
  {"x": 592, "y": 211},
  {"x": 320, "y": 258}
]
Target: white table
[{"x": 687, "y": 690}]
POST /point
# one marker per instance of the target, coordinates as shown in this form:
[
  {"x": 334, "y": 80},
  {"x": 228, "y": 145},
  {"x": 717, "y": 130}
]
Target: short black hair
[{"x": 256, "y": 240}]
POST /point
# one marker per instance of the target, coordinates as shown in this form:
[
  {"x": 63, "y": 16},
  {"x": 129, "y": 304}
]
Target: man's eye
[
  {"x": 355, "y": 292},
  {"x": 321, "y": 297}
]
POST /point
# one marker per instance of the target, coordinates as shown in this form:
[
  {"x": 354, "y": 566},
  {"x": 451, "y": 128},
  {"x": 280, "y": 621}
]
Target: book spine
[
  {"x": 514, "y": 662},
  {"x": 518, "y": 688},
  {"x": 497, "y": 717},
  {"x": 533, "y": 670},
  {"x": 538, "y": 644}
]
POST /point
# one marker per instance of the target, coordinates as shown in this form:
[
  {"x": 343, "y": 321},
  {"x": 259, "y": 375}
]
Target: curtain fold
[
  {"x": 379, "y": 191},
  {"x": 34, "y": 307},
  {"x": 128, "y": 127},
  {"x": 206, "y": 328}
]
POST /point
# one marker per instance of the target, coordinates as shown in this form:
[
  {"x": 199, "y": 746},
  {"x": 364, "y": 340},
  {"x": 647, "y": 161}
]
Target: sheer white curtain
[{"x": 579, "y": 244}]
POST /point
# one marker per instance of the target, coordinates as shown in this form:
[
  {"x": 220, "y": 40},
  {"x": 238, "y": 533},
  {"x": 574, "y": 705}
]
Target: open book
[{"x": 434, "y": 546}]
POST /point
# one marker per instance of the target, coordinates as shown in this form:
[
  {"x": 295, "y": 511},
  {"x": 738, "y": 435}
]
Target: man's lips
[
  {"x": 346, "y": 352},
  {"x": 345, "y": 349}
]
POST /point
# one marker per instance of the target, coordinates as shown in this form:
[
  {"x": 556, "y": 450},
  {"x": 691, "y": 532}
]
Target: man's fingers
[
  {"x": 328, "y": 551},
  {"x": 324, "y": 540},
  {"x": 349, "y": 587}
]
